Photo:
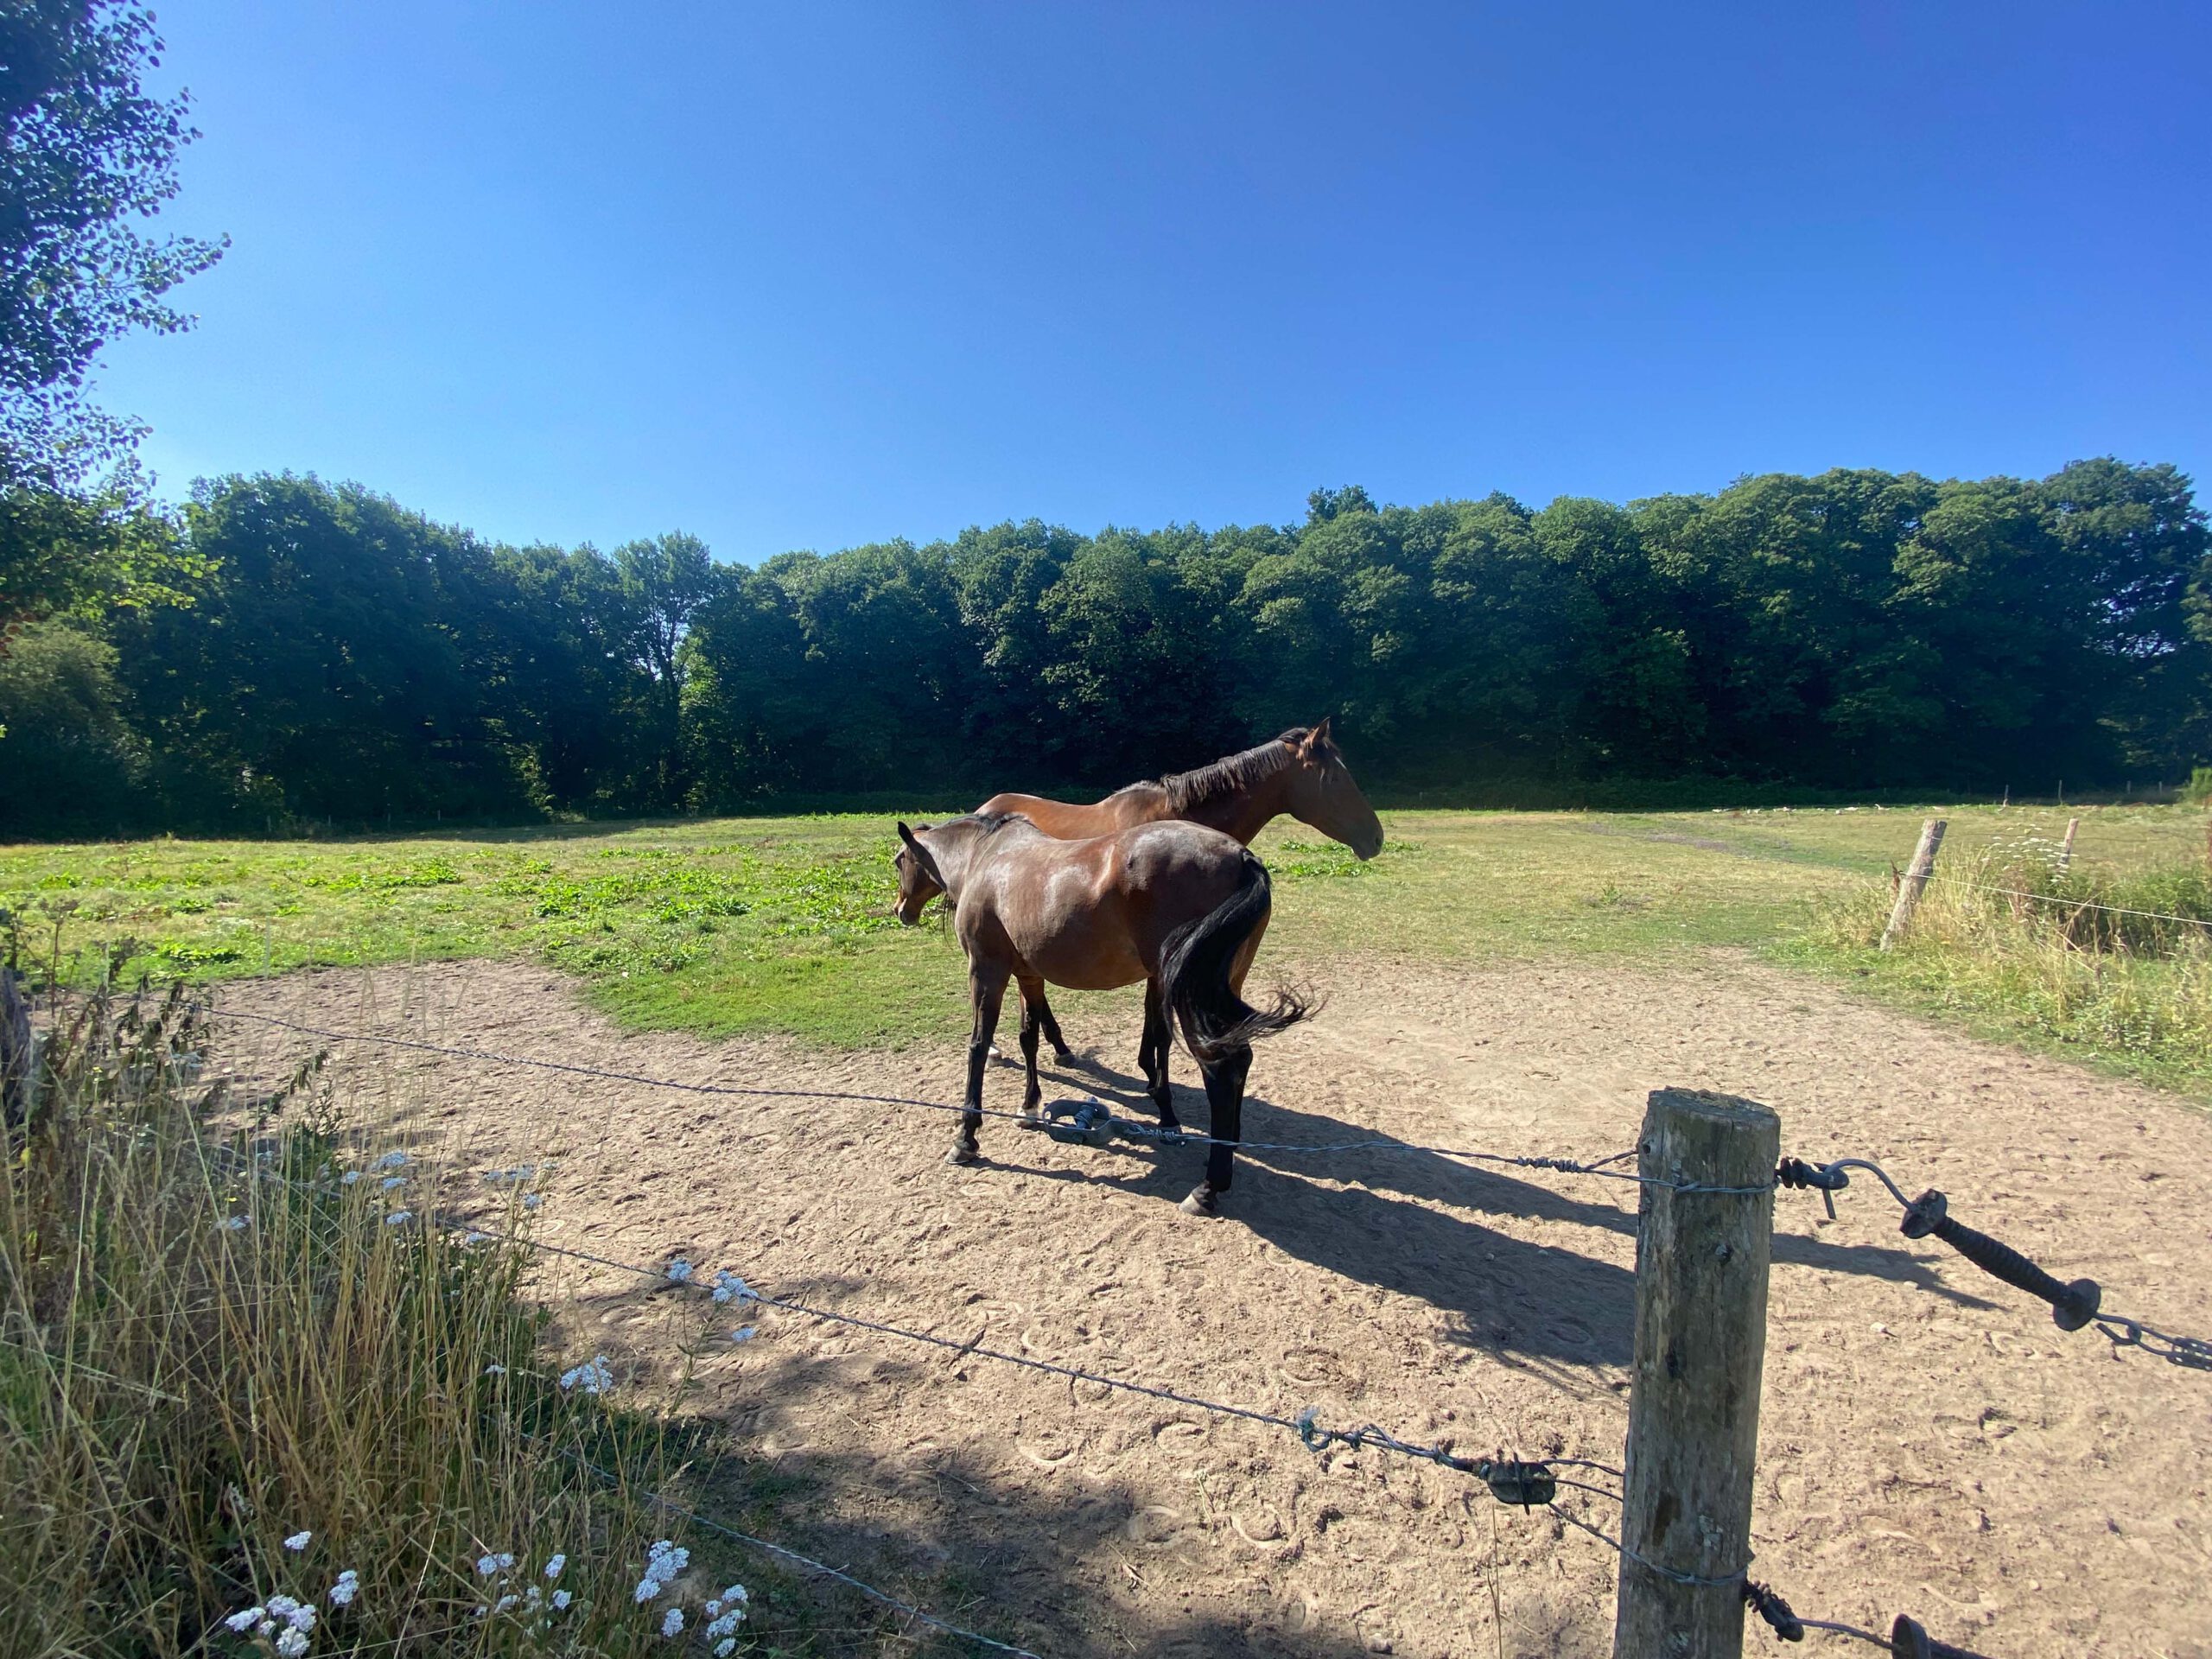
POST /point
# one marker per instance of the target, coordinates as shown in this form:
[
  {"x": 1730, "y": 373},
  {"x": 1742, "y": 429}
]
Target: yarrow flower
[
  {"x": 230, "y": 1225},
  {"x": 592, "y": 1375},
  {"x": 560, "y": 1600},
  {"x": 487, "y": 1565},
  {"x": 531, "y": 1201},
  {"x": 349, "y": 1177},
  {"x": 390, "y": 1160},
  {"x": 745, "y": 1333},
  {"x": 283, "y": 1606},
  {"x": 348, "y": 1587},
  {"x": 679, "y": 1272},
  {"x": 239, "y": 1620},
  {"x": 390, "y": 1181},
  {"x": 553, "y": 1567},
  {"x": 672, "y": 1625},
  {"x": 726, "y": 1647},
  {"x": 730, "y": 1288},
  {"x": 477, "y": 1238},
  {"x": 298, "y": 1541},
  {"x": 398, "y": 1216},
  {"x": 495, "y": 1370},
  {"x": 292, "y": 1644},
  {"x": 662, "y": 1562}
]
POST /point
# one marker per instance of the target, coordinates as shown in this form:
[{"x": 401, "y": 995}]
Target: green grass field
[{"x": 732, "y": 925}]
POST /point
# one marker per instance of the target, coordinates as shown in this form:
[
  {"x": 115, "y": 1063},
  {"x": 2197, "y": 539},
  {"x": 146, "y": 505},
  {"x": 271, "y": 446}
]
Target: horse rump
[{"x": 1196, "y": 966}]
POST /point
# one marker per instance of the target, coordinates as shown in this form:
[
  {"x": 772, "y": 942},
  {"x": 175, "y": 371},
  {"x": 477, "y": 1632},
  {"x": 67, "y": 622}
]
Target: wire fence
[{"x": 1522, "y": 1483}]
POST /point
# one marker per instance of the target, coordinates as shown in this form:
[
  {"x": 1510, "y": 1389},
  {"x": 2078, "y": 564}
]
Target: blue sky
[{"x": 806, "y": 276}]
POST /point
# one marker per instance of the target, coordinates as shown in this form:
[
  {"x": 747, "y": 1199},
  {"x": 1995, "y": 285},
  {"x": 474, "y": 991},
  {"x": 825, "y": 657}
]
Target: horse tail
[{"x": 1196, "y": 965}]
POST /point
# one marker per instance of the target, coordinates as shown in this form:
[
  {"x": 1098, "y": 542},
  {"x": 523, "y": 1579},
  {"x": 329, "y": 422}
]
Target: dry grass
[
  {"x": 224, "y": 1324},
  {"x": 2113, "y": 966}
]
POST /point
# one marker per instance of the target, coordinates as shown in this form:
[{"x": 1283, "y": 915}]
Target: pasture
[
  {"x": 1514, "y": 982},
  {"x": 726, "y": 926}
]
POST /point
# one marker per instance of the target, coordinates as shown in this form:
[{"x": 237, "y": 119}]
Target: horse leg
[
  {"x": 987, "y": 990},
  {"x": 1033, "y": 1014},
  {"x": 1061, "y": 1052},
  {"x": 1154, "y": 1053},
  {"x": 1225, "y": 1096}
]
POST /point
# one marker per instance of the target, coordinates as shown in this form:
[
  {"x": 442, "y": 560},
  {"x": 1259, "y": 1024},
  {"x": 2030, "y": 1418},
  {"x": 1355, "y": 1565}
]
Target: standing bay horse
[
  {"x": 1302, "y": 773},
  {"x": 1177, "y": 905}
]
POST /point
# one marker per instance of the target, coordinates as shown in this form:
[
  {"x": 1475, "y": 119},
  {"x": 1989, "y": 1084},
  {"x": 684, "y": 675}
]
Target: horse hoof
[
  {"x": 1202, "y": 1202},
  {"x": 1064, "y": 1056},
  {"x": 961, "y": 1155}
]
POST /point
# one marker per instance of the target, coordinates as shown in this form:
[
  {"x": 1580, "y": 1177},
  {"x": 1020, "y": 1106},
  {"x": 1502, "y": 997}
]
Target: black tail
[{"x": 1194, "y": 973}]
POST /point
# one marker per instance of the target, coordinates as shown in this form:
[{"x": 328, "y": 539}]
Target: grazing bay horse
[
  {"x": 1177, "y": 905},
  {"x": 1302, "y": 773}
]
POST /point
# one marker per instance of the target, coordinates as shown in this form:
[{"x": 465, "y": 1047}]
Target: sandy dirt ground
[{"x": 1930, "y": 1443}]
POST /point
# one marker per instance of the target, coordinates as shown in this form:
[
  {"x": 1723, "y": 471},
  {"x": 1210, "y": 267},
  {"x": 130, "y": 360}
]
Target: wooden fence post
[
  {"x": 2066, "y": 847},
  {"x": 1916, "y": 881},
  {"x": 1693, "y": 1405}
]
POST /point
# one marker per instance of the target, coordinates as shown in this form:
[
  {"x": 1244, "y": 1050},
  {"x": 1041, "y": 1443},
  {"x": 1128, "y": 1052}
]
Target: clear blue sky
[{"x": 805, "y": 275}]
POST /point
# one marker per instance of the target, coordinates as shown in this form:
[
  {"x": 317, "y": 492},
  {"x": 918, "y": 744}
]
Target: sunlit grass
[{"x": 254, "y": 1397}]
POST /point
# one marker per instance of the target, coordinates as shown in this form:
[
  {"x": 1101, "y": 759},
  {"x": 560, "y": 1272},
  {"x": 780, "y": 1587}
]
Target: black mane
[{"x": 1188, "y": 790}]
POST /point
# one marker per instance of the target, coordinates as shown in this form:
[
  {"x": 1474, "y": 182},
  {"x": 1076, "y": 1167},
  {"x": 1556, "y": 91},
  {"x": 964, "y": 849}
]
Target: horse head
[
  {"x": 1322, "y": 793},
  {"x": 919, "y": 879}
]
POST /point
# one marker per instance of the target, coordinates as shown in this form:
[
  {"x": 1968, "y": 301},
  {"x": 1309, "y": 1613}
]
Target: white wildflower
[
  {"x": 737, "y": 1592},
  {"x": 348, "y": 1587},
  {"x": 349, "y": 1177},
  {"x": 398, "y": 1216},
  {"x": 553, "y": 1567},
  {"x": 726, "y": 1647},
  {"x": 266, "y": 1628},
  {"x": 745, "y": 1333},
  {"x": 560, "y": 1600},
  {"x": 670, "y": 1558},
  {"x": 730, "y": 1288},
  {"x": 477, "y": 1238},
  {"x": 390, "y": 1181},
  {"x": 531, "y": 1201},
  {"x": 648, "y": 1587},
  {"x": 283, "y": 1606},
  {"x": 238, "y": 1621},
  {"x": 592, "y": 1375},
  {"x": 679, "y": 1272},
  {"x": 390, "y": 1160},
  {"x": 232, "y": 1224},
  {"x": 298, "y": 1541},
  {"x": 503, "y": 1603},
  {"x": 726, "y": 1624},
  {"x": 486, "y": 1566},
  {"x": 301, "y": 1620},
  {"x": 292, "y": 1644},
  {"x": 672, "y": 1625},
  {"x": 495, "y": 1370}
]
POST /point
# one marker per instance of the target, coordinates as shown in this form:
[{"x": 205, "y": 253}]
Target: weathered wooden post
[
  {"x": 18, "y": 1052},
  {"x": 1693, "y": 1404},
  {"x": 2066, "y": 847},
  {"x": 1916, "y": 881}
]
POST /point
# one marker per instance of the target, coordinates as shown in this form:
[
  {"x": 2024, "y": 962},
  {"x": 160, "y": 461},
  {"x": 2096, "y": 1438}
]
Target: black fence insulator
[
  {"x": 1763, "y": 1600},
  {"x": 1909, "y": 1641},
  {"x": 2072, "y": 1305},
  {"x": 1519, "y": 1485},
  {"x": 1829, "y": 1178}
]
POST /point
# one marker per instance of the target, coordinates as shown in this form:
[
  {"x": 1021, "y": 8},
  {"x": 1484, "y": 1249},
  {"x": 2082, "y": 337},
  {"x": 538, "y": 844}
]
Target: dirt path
[{"x": 1930, "y": 1442}]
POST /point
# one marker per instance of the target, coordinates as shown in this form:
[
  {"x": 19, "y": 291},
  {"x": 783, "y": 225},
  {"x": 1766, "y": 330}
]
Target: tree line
[{"x": 339, "y": 658}]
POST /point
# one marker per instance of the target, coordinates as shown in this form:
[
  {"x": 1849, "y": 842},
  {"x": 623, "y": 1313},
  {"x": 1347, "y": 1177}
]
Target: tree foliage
[{"x": 349, "y": 660}]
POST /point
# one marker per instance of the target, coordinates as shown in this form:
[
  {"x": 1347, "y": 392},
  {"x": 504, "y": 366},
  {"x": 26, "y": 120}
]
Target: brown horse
[
  {"x": 1302, "y": 773},
  {"x": 1177, "y": 905}
]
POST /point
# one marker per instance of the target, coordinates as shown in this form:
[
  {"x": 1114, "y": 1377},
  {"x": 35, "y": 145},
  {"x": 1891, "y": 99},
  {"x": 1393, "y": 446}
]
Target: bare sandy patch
[{"x": 1930, "y": 1443}]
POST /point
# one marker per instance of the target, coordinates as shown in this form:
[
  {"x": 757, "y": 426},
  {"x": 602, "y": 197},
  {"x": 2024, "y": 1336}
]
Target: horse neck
[
  {"x": 1245, "y": 811},
  {"x": 955, "y": 858}
]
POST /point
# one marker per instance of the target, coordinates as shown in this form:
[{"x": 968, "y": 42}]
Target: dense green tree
[{"x": 85, "y": 155}]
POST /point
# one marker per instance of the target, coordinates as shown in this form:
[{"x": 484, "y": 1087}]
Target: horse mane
[
  {"x": 990, "y": 824},
  {"x": 1187, "y": 790}
]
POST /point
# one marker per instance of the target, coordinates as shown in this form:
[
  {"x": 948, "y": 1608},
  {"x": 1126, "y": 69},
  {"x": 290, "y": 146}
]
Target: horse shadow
[{"x": 1411, "y": 1221}]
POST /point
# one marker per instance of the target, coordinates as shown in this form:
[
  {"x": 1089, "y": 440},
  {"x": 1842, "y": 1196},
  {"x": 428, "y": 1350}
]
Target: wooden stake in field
[
  {"x": 2066, "y": 847},
  {"x": 1693, "y": 1404},
  {"x": 1914, "y": 883}
]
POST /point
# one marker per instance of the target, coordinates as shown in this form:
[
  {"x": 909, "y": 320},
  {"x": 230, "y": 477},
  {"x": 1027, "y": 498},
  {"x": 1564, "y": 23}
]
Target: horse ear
[
  {"x": 1321, "y": 732},
  {"x": 907, "y": 836}
]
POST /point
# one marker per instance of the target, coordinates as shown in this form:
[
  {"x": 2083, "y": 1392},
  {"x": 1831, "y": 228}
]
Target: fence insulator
[
  {"x": 2072, "y": 1305},
  {"x": 1829, "y": 1178},
  {"x": 1765, "y": 1601},
  {"x": 1519, "y": 1485},
  {"x": 1909, "y": 1641},
  {"x": 1089, "y": 1123}
]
